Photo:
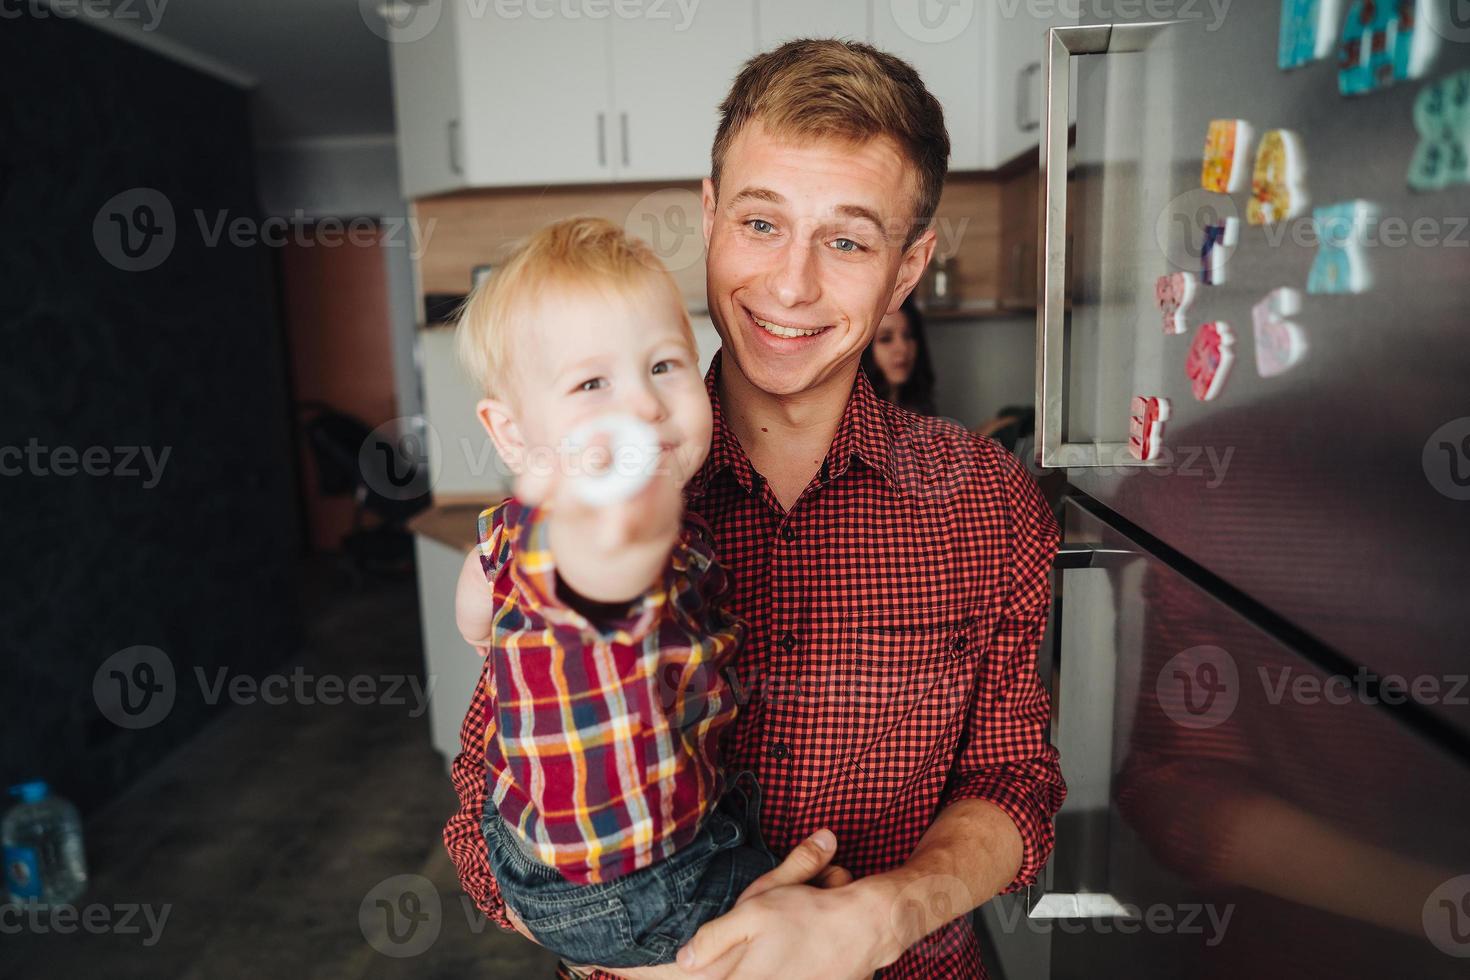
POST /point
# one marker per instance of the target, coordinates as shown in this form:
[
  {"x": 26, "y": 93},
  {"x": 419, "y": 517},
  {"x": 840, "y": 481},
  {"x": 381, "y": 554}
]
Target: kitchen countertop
[{"x": 451, "y": 521}]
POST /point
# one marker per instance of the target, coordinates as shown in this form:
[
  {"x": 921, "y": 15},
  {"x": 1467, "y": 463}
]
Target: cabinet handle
[
  {"x": 455, "y": 166},
  {"x": 602, "y": 139},
  {"x": 1063, "y": 44},
  {"x": 627, "y": 151},
  {"x": 1025, "y": 120}
]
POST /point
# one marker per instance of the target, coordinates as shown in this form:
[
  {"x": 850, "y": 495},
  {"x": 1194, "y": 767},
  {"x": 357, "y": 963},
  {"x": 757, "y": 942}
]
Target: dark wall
[{"x": 195, "y": 554}]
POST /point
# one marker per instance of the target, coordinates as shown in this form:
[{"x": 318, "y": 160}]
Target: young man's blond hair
[
  {"x": 575, "y": 254},
  {"x": 842, "y": 90}
]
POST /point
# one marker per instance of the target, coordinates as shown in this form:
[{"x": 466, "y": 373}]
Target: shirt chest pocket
[{"x": 901, "y": 698}]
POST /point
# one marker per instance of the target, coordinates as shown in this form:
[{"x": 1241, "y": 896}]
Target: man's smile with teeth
[{"x": 783, "y": 331}]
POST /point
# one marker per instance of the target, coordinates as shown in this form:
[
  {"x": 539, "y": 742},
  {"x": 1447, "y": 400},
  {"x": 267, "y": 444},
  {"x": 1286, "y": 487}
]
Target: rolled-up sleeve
[{"x": 1006, "y": 756}]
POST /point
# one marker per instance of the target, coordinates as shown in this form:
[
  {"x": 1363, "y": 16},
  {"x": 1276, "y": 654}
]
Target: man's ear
[
  {"x": 499, "y": 421},
  {"x": 708, "y": 197},
  {"x": 911, "y": 267}
]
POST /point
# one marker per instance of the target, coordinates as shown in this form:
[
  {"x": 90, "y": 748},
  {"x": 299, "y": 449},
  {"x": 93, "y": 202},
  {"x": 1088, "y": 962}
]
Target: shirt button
[
  {"x": 788, "y": 533},
  {"x": 780, "y": 750},
  {"x": 787, "y": 641}
]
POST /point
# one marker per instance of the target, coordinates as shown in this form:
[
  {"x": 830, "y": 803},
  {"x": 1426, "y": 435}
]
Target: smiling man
[{"x": 893, "y": 568}]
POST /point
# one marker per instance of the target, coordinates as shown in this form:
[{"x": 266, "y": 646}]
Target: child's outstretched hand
[{"x": 613, "y": 552}]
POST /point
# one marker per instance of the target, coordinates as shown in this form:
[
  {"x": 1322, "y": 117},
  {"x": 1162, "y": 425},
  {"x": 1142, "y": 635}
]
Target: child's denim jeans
[{"x": 643, "y": 917}]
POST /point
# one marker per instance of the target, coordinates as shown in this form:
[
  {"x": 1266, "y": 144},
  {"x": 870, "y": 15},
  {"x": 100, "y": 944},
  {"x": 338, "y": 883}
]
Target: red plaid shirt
[
  {"x": 601, "y": 748},
  {"x": 890, "y": 667}
]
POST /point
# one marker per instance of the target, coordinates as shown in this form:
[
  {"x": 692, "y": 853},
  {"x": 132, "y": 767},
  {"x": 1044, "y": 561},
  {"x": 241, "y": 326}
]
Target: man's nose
[{"x": 794, "y": 281}]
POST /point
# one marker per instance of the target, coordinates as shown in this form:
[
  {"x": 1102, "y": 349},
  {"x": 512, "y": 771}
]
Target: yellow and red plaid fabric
[{"x": 601, "y": 749}]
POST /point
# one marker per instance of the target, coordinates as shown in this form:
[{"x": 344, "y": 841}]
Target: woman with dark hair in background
[{"x": 897, "y": 361}]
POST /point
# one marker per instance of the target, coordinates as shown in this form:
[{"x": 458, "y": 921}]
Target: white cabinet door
[
  {"x": 783, "y": 20},
  {"x": 426, "y": 99},
  {"x": 535, "y": 83},
  {"x": 946, "y": 42},
  {"x": 672, "y": 74},
  {"x": 1017, "y": 103}
]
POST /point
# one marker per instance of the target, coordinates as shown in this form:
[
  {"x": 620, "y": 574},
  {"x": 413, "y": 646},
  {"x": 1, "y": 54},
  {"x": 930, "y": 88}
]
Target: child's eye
[
  {"x": 592, "y": 384},
  {"x": 665, "y": 366},
  {"x": 761, "y": 225}
]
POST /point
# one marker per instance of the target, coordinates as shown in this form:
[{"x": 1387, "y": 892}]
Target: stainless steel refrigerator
[{"x": 1259, "y": 652}]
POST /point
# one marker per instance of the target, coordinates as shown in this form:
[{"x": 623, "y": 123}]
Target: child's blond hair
[{"x": 572, "y": 254}]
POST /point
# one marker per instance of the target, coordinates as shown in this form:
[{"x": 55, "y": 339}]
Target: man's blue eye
[
  {"x": 847, "y": 245},
  {"x": 762, "y": 226}
]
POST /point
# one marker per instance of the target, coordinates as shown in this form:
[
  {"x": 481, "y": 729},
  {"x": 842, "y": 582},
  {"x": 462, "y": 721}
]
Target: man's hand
[{"x": 807, "y": 866}]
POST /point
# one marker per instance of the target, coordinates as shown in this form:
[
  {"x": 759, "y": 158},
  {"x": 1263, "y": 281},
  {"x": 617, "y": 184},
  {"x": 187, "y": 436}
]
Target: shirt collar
[{"x": 864, "y": 432}]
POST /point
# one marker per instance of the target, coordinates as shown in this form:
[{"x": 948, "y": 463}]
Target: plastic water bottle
[{"x": 42, "y": 837}]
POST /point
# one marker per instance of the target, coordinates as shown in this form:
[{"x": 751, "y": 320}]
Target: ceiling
[{"x": 320, "y": 69}]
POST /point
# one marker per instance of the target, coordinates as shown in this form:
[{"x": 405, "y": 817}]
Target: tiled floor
[{"x": 273, "y": 841}]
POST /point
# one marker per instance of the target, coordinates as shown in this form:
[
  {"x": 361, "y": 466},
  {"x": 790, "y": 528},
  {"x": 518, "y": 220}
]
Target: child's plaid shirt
[{"x": 601, "y": 752}]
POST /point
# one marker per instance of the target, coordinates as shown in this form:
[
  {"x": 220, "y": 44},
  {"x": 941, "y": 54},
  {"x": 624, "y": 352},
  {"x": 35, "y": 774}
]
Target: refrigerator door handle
[
  {"x": 1089, "y": 712},
  {"x": 1062, "y": 44}
]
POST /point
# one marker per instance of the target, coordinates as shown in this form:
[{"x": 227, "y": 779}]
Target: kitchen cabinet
[
  {"x": 670, "y": 79},
  {"x": 426, "y": 101},
  {"x": 949, "y": 52},
  {"x": 535, "y": 96},
  {"x": 985, "y": 64},
  {"x": 780, "y": 21},
  {"x": 516, "y": 95},
  {"x": 530, "y": 95},
  {"x": 1016, "y": 97}
]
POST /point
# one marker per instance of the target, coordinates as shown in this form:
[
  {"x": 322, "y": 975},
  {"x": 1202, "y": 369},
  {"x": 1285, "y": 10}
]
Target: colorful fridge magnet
[
  {"x": 1341, "y": 266},
  {"x": 1226, "y": 146},
  {"x": 1383, "y": 42},
  {"x": 1308, "y": 31},
  {"x": 1174, "y": 295},
  {"x": 1280, "y": 343},
  {"x": 1442, "y": 116},
  {"x": 1277, "y": 188},
  {"x": 1146, "y": 418},
  {"x": 1219, "y": 239},
  {"x": 1210, "y": 358}
]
